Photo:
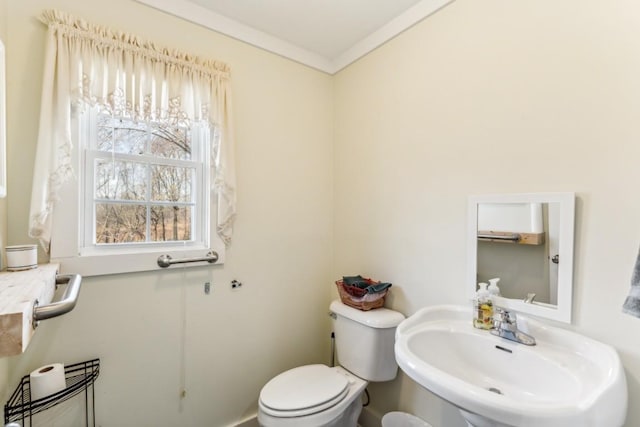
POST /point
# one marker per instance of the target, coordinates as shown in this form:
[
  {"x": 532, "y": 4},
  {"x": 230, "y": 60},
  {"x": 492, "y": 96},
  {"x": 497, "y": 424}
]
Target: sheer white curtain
[{"x": 88, "y": 64}]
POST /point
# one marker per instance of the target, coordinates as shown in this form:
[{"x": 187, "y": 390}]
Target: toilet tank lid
[{"x": 376, "y": 318}]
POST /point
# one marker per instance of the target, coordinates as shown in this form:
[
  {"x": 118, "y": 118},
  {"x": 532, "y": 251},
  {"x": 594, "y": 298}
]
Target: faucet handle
[
  {"x": 505, "y": 316},
  {"x": 510, "y": 317}
]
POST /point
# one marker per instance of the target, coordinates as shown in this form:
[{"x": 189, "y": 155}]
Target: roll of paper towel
[{"x": 47, "y": 380}]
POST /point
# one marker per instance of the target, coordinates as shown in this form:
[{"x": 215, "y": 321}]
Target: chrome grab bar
[
  {"x": 165, "y": 261},
  {"x": 64, "y": 305}
]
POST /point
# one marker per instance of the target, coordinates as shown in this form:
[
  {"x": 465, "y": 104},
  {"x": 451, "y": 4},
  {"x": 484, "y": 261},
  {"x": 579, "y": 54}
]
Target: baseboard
[
  {"x": 369, "y": 418},
  {"x": 251, "y": 421}
]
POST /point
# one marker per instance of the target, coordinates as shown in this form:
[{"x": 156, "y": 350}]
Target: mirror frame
[{"x": 563, "y": 310}]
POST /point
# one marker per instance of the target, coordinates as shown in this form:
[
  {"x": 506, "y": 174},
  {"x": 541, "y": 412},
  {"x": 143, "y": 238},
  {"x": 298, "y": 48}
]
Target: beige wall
[
  {"x": 522, "y": 269},
  {"x": 488, "y": 97},
  {"x": 282, "y": 249}
]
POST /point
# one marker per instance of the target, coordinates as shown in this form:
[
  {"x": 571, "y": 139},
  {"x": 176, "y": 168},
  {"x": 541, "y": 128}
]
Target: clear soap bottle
[
  {"x": 493, "y": 288},
  {"x": 483, "y": 308}
]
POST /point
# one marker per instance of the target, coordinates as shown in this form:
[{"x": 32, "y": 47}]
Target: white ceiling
[{"x": 327, "y": 35}]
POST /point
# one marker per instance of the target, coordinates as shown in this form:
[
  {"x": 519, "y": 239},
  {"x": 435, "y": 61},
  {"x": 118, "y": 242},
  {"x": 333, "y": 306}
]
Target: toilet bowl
[
  {"x": 334, "y": 401},
  {"x": 322, "y": 396}
]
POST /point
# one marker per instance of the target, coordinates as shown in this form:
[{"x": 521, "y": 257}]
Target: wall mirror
[
  {"x": 526, "y": 240},
  {"x": 3, "y": 126}
]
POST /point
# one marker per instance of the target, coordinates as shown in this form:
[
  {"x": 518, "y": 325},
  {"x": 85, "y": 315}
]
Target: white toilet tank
[{"x": 365, "y": 339}]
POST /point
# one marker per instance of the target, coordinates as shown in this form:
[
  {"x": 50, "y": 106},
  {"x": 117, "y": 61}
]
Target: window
[
  {"x": 135, "y": 152},
  {"x": 142, "y": 190},
  {"x": 144, "y": 182}
]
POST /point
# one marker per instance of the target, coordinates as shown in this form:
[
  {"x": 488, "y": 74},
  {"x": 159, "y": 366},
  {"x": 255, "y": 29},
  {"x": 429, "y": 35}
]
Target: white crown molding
[
  {"x": 197, "y": 14},
  {"x": 214, "y": 21},
  {"x": 402, "y": 22}
]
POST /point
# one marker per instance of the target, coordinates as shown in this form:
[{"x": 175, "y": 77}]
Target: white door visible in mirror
[
  {"x": 3, "y": 125},
  {"x": 527, "y": 241}
]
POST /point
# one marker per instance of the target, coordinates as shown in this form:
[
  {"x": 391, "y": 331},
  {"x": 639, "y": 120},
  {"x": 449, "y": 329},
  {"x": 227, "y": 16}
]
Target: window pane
[
  {"x": 120, "y": 223},
  {"x": 170, "y": 223},
  {"x": 171, "y": 142},
  {"x": 105, "y": 133},
  {"x": 122, "y": 135},
  {"x": 171, "y": 184},
  {"x": 120, "y": 180}
]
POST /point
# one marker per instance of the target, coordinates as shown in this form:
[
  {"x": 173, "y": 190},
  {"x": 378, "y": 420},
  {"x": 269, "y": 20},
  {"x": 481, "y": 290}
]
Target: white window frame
[{"x": 71, "y": 233}]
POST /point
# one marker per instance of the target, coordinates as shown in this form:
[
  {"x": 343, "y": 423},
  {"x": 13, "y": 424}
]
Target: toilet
[{"x": 323, "y": 396}]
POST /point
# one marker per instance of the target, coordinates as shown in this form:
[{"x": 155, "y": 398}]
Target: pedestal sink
[{"x": 566, "y": 380}]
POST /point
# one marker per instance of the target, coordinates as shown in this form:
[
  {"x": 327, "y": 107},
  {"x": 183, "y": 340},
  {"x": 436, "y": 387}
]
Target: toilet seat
[{"x": 304, "y": 390}]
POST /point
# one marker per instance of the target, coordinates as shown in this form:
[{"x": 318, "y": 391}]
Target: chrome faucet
[
  {"x": 505, "y": 325},
  {"x": 529, "y": 298}
]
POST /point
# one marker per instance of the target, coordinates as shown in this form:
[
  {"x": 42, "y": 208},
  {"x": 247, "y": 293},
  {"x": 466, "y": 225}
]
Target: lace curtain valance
[{"x": 90, "y": 64}]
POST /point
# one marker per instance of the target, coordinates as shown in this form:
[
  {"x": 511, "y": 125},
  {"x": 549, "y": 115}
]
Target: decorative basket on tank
[{"x": 358, "y": 297}]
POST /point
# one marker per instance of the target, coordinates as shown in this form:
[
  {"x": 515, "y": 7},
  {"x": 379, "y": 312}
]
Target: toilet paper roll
[{"x": 47, "y": 380}]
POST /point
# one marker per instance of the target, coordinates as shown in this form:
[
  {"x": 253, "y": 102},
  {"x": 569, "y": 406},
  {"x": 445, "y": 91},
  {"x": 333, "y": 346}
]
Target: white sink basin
[{"x": 565, "y": 380}]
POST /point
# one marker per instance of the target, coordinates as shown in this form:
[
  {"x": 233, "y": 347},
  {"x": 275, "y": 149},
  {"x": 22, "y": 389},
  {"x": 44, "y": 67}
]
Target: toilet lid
[{"x": 304, "y": 390}]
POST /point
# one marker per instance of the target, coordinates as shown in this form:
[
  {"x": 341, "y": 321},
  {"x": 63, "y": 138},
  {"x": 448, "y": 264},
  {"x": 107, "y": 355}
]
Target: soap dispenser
[
  {"x": 494, "y": 290},
  {"x": 483, "y": 308}
]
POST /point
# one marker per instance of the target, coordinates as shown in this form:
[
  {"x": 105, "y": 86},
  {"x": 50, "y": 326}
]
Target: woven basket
[{"x": 356, "y": 297}]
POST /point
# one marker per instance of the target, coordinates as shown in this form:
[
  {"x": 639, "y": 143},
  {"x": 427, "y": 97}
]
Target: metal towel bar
[
  {"x": 64, "y": 305},
  {"x": 510, "y": 237},
  {"x": 165, "y": 261}
]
